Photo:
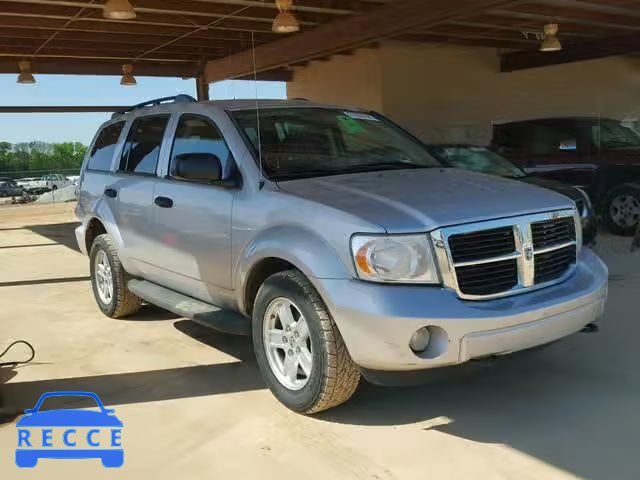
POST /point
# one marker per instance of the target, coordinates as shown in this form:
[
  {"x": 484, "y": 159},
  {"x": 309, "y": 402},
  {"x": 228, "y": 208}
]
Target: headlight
[{"x": 394, "y": 258}]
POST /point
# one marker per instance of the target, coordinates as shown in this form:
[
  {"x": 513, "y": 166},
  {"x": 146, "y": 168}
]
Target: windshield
[
  {"x": 610, "y": 134},
  {"x": 308, "y": 142},
  {"x": 480, "y": 159}
]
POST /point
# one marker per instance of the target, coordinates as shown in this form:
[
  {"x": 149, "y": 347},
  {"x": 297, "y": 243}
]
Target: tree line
[{"x": 25, "y": 157}]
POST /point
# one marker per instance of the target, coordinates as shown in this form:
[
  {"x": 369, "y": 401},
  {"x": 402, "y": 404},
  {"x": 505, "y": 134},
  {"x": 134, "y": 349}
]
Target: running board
[{"x": 200, "y": 312}]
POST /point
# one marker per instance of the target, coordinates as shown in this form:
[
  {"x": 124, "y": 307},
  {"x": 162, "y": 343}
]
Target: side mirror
[{"x": 198, "y": 166}]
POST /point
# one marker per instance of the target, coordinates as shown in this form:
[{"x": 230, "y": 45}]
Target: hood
[
  {"x": 425, "y": 199},
  {"x": 559, "y": 187}
]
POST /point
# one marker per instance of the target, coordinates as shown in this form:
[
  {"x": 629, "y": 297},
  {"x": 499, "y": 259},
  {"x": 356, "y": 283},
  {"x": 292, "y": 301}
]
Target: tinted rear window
[
  {"x": 104, "y": 147},
  {"x": 142, "y": 150}
]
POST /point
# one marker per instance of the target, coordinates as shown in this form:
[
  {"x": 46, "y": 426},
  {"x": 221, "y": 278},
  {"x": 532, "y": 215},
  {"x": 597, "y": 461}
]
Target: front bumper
[{"x": 377, "y": 321}]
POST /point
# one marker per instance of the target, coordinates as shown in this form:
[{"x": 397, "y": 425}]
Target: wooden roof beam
[
  {"x": 61, "y": 66},
  {"x": 588, "y": 50},
  {"x": 386, "y": 21},
  {"x": 310, "y": 6}
]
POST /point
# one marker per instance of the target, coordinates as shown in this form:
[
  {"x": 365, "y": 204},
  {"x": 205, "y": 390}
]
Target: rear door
[
  {"x": 134, "y": 186},
  {"x": 193, "y": 219},
  {"x": 98, "y": 171}
]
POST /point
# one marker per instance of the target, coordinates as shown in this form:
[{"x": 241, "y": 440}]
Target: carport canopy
[{"x": 212, "y": 40}]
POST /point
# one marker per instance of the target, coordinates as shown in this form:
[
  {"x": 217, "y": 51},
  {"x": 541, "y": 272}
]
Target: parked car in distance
[
  {"x": 599, "y": 155},
  {"x": 9, "y": 188},
  {"x": 56, "y": 181},
  {"x": 484, "y": 160},
  {"x": 33, "y": 185},
  {"x": 338, "y": 241},
  {"x": 26, "y": 182}
]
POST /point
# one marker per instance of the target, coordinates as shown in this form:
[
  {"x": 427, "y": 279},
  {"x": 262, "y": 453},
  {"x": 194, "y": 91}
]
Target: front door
[{"x": 193, "y": 219}]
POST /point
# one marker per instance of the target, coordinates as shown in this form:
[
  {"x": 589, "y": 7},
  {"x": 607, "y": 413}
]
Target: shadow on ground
[
  {"x": 60, "y": 233},
  {"x": 44, "y": 281},
  {"x": 138, "y": 387},
  {"x": 149, "y": 313},
  {"x": 237, "y": 346}
]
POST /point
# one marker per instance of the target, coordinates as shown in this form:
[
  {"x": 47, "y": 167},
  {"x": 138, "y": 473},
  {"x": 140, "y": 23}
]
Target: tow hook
[{"x": 590, "y": 328}]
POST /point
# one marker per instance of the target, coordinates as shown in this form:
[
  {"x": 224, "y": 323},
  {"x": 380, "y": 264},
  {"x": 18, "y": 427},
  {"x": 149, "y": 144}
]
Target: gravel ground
[{"x": 66, "y": 194}]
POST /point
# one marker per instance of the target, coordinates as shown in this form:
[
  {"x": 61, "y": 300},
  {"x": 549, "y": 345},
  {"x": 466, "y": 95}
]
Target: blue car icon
[{"x": 28, "y": 452}]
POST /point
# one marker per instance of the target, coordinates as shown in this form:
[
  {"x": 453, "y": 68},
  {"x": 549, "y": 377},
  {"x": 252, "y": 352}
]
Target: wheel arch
[
  {"x": 279, "y": 249},
  {"x": 94, "y": 228}
]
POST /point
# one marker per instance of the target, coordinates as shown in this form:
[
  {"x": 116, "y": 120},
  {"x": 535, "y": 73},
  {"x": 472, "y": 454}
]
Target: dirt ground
[{"x": 193, "y": 404}]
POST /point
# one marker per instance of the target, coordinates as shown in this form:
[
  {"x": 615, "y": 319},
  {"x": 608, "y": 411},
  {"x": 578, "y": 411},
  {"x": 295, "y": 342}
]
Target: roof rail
[{"x": 182, "y": 98}]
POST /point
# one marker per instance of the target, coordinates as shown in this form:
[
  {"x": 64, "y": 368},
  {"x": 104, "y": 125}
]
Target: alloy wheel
[
  {"x": 625, "y": 210},
  {"x": 103, "y": 277},
  {"x": 287, "y": 343}
]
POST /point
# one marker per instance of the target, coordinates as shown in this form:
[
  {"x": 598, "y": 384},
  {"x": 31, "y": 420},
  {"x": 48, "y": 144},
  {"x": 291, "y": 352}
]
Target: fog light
[{"x": 420, "y": 340}]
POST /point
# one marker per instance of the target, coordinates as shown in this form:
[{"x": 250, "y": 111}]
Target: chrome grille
[
  {"x": 503, "y": 257},
  {"x": 554, "y": 264},
  {"x": 483, "y": 244},
  {"x": 488, "y": 278},
  {"x": 553, "y": 232}
]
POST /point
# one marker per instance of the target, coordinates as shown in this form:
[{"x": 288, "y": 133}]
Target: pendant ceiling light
[
  {"x": 127, "y": 75},
  {"x": 25, "y": 75},
  {"x": 285, "y": 21},
  {"x": 118, "y": 10},
  {"x": 550, "y": 43}
]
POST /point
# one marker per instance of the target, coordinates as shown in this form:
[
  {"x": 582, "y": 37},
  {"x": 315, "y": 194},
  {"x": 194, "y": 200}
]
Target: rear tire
[
  {"x": 112, "y": 296},
  {"x": 622, "y": 209},
  {"x": 331, "y": 377}
]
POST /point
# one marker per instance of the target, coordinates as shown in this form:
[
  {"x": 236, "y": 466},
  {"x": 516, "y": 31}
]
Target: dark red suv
[{"x": 599, "y": 155}]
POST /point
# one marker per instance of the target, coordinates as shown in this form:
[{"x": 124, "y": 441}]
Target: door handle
[
  {"x": 110, "y": 192},
  {"x": 163, "y": 202}
]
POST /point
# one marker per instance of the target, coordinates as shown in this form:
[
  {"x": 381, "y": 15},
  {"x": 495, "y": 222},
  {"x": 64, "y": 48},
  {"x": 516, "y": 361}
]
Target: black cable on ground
[{"x": 13, "y": 364}]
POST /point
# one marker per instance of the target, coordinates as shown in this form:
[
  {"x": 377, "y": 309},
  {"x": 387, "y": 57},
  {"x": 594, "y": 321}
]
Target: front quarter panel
[{"x": 302, "y": 248}]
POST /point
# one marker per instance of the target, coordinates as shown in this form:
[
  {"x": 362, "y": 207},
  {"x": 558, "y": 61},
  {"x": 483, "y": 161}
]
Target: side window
[
  {"x": 142, "y": 149},
  {"x": 551, "y": 139},
  {"x": 196, "y": 134},
  {"x": 104, "y": 147},
  {"x": 508, "y": 136}
]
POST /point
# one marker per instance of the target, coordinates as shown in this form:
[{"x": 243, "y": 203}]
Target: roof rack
[{"x": 182, "y": 98}]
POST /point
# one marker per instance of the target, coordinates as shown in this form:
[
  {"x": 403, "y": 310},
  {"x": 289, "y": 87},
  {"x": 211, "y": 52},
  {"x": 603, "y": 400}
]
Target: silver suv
[{"x": 341, "y": 243}]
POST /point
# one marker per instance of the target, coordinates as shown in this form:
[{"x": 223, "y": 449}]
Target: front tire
[
  {"x": 109, "y": 280},
  {"x": 298, "y": 346},
  {"x": 622, "y": 209}
]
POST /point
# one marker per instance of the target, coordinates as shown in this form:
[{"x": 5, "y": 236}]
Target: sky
[{"x": 93, "y": 90}]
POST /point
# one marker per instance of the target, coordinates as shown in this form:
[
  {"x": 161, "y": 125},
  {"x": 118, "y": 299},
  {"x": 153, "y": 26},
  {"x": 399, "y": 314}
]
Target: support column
[{"x": 202, "y": 88}]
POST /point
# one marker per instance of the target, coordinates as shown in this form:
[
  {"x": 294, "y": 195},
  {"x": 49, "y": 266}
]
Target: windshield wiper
[
  {"x": 358, "y": 168},
  {"x": 373, "y": 167},
  {"x": 306, "y": 174}
]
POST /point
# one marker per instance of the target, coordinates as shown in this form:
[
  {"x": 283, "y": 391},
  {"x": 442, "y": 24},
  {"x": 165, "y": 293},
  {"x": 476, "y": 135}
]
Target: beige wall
[
  {"x": 345, "y": 80},
  {"x": 448, "y": 93}
]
